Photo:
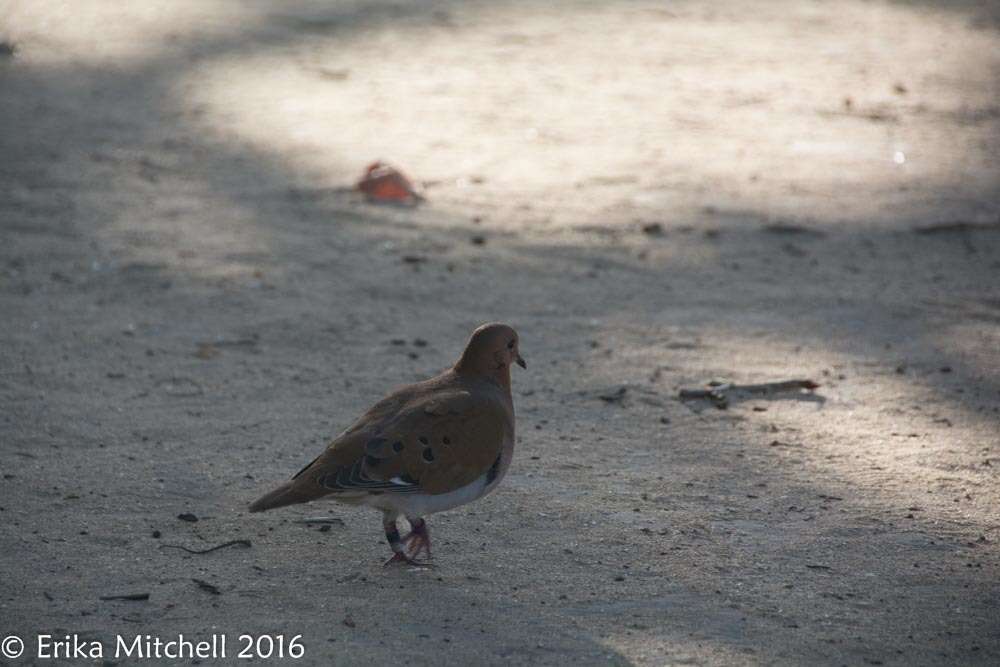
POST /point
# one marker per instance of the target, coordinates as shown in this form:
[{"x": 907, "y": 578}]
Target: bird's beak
[{"x": 521, "y": 362}]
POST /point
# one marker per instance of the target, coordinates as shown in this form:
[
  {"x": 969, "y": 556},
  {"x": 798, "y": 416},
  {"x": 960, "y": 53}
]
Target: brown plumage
[{"x": 425, "y": 448}]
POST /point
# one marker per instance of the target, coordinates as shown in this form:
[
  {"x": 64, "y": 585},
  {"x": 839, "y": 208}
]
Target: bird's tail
[{"x": 286, "y": 494}]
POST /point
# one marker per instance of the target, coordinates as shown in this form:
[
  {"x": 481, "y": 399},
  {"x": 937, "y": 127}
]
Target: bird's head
[{"x": 491, "y": 351}]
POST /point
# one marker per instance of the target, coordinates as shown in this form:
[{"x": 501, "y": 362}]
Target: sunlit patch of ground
[{"x": 613, "y": 112}]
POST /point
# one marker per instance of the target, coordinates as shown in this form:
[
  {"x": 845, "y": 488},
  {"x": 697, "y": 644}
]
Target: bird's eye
[{"x": 510, "y": 345}]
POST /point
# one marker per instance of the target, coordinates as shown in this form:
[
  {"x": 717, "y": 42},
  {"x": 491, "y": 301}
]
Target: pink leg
[
  {"x": 419, "y": 539},
  {"x": 399, "y": 554}
]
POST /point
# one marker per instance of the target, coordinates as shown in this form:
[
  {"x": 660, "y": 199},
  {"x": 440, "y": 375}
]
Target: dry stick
[
  {"x": 763, "y": 388},
  {"x": 136, "y": 597},
  {"x": 231, "y": 543},
  {"x": 957, "y": 226},
  {"x": 207, "y": 587},
  {"x": 718, "y": 395}
]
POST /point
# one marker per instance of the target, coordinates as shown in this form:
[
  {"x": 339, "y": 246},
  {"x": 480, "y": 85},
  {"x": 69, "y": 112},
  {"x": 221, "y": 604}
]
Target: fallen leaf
[{"x": 386, "y": 184}]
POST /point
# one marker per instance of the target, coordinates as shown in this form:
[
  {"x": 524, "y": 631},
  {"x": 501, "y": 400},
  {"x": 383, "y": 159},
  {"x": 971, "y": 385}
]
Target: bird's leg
[
  {"x": 418, "y": 539},
  {"x": 392, "y": 537},
  {"x": 395, "y": 543}
]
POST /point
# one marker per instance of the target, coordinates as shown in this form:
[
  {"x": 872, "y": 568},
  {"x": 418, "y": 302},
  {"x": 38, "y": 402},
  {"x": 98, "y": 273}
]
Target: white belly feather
[{"x": 422, "y": 504}]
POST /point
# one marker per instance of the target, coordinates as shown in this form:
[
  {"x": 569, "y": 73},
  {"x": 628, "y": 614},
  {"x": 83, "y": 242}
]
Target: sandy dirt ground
[{"x": 657, "y": 195}]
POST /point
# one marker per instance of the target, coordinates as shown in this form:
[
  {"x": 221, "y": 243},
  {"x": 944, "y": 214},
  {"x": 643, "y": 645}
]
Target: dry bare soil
[{"x": 658, "y": 195}]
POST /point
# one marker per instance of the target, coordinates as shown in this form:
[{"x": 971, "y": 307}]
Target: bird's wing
[{"x": 434, "y": 443}]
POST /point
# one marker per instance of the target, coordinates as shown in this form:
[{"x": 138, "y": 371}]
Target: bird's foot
[
  {"x": 401, "y": 558},
  {"x": 418, "y": 540}
]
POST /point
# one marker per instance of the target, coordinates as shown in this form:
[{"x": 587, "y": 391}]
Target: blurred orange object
[{"x": 384, "y": 183}]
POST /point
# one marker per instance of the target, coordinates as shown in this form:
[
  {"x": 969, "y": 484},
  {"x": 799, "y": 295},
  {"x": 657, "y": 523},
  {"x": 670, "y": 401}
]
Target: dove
[{"x": 425, "y": 448}]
